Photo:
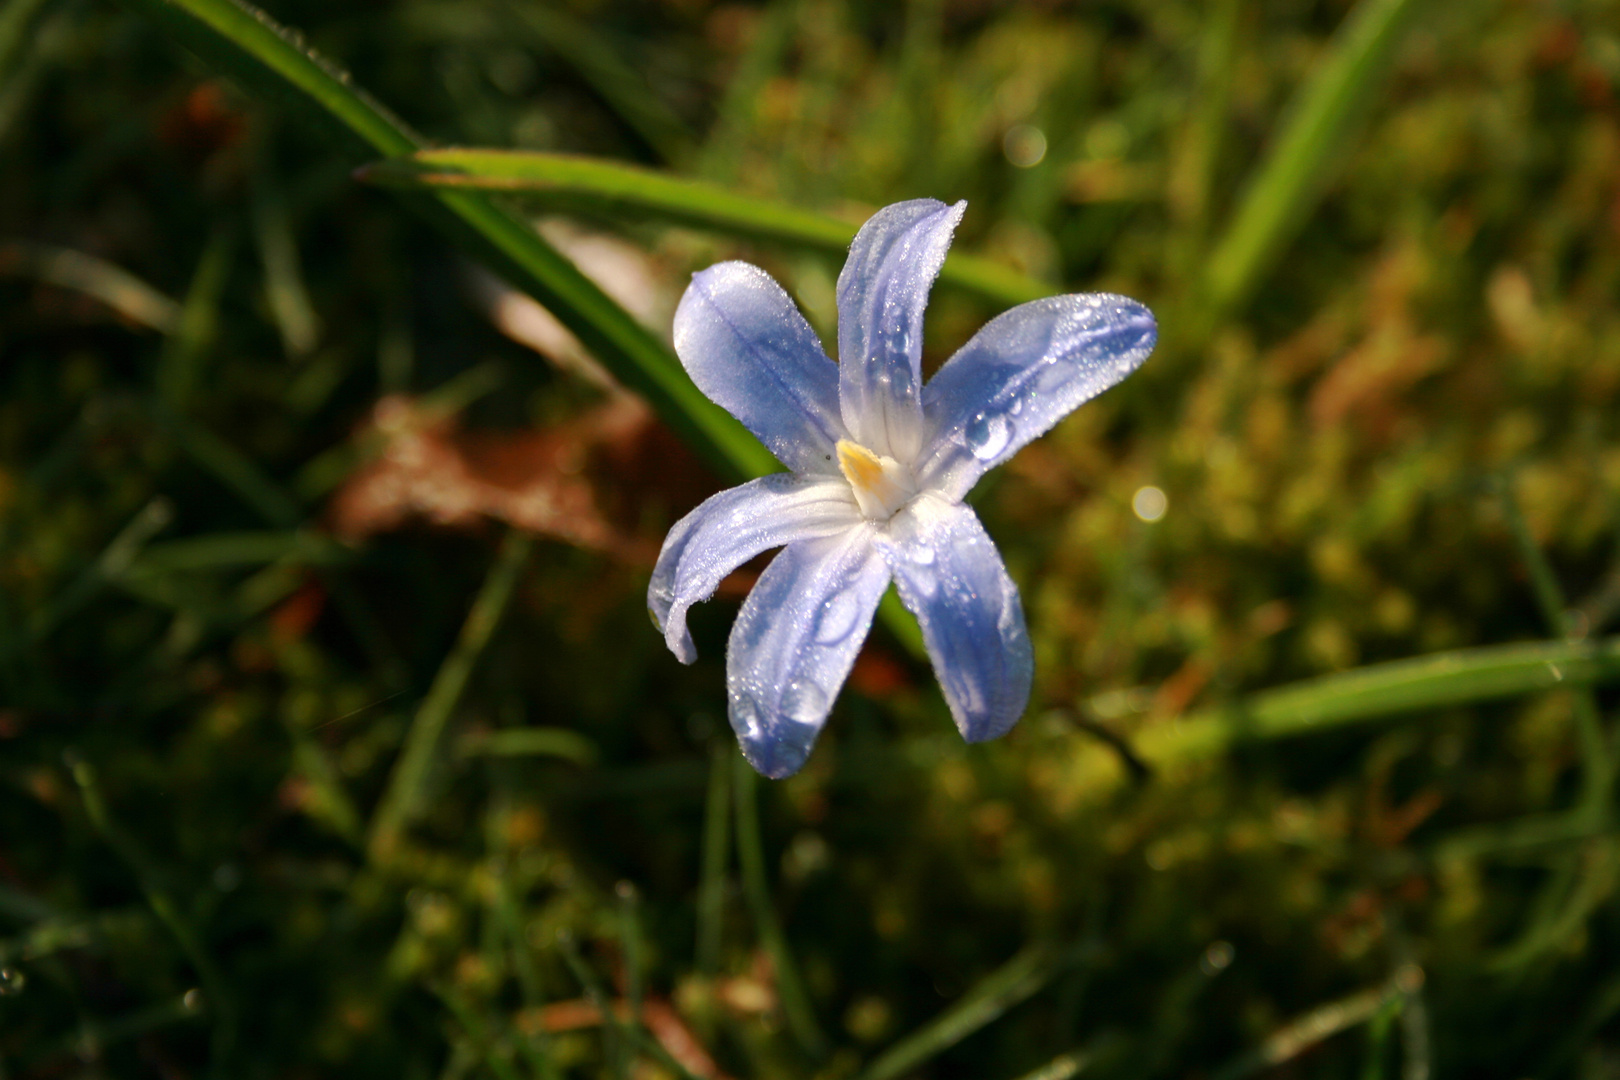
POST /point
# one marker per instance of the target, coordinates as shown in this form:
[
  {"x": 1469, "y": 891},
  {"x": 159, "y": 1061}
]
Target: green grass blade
[
  {"x": 570, "y": 181},
  {"x": 284, "y": 288},
  {"x": 407, "y": 784},
  {"x": 615, "y": 81},
  {"x": 1320, "y": 123},
  {"x": 249, "y": 46},
  {"x": 162, "y": 903},
  {"x": 181, "y": 368},
  {"x": 790, "y": 990},
  {"x": 1017, "y": 979},
  {"x": 711, "y": 905},
  {"x": 1291, "y": 1040},
  {"x": 112, "y": 285},
  {"x": 1437, "y": 681},
  {"x": 531, "y": 742}
]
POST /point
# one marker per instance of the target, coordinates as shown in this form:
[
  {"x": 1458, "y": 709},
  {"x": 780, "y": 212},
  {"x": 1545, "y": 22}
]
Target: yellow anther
[{"x": 881, "y": 484}]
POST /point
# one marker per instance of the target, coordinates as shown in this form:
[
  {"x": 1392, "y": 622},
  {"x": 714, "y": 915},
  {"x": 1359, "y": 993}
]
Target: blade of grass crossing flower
[
  {"x": 1318, "y": 127},
  {"x": 1016, "y": 980},
  {"x": 408, "y": 783},
  {"x": 1436, "y": 681},
  {"x": 572, "y": 182},
  {"x": 790, "y": 990},
  {"x": 249, "y": 46},
  {"x": 163, "y": 905}
]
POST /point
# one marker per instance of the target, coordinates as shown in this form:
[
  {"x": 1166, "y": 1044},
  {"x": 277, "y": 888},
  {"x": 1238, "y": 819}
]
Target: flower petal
[
  {"x": 794, "y": 642},
  {"x": 882, "y": 291},
  {"x": 952, "y": 578},
  {"x": 1023, "y": 372},
  {"x": 747, "y": 347},
  {"x": 728, "y": 529}
]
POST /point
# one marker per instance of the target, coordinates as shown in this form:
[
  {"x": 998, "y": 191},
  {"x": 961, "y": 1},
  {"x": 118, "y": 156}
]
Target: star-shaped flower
[{"x": 879, "y": 465}]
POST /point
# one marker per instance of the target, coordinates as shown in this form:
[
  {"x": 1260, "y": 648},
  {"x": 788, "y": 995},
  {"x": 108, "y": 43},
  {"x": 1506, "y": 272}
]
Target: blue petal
[
  {"x": 952, "y": 578},
  {"x": 727, "y": 530},
  {"x": 881, "y": 295},
  {"x": 748, "y": 348},
  {"x": 1021, "y": 374},
  {"x": 794, "y": 642}
]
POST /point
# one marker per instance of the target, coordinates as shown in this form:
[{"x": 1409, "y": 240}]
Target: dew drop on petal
[
  {"x": 1016, "y": 407},
  {"x": 922, "y": 555},
  {"x": 838, "y": 618},
  {"x": 988, "y": 436},
  {"x": 745, "y": 717},
  {"x": 804, "y": 702}
]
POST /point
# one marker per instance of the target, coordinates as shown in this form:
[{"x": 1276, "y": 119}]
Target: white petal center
[{"x": 881, "y": 484}]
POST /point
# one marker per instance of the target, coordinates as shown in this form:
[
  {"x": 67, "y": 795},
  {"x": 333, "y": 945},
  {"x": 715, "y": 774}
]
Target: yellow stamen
[{"x": 881, "y": 484}]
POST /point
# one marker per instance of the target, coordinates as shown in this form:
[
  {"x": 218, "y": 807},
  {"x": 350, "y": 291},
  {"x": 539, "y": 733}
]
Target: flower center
[{"x": 881, "y": 484}]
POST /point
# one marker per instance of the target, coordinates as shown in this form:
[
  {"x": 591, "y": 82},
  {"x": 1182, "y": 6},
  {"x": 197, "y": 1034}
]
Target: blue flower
[{"x": 879, "y": 466}]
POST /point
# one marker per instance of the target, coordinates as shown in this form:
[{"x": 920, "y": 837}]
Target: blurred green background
[{"x": 334, "y": 738}]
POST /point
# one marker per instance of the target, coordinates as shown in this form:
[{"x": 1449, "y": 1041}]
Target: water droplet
[
  {"x": 804, "y": 703},
  {"x": 988, "y": 436},
  {"x": 838, "y": 618},
  {"x": 192, "y": 1001},
  {"x": 1052, "y": 378},
  {"x": 923, "y": 555},
  {"x": 1016, "y": 407},
  {"x": 11, "y": 980},
  {"x": 745, "y": 717}
]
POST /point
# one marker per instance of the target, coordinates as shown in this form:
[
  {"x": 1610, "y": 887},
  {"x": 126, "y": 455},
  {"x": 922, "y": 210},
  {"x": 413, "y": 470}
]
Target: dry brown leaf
[{"x": 536, "y": 480}]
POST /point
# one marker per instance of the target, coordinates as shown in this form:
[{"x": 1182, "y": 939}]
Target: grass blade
[
  {"x": 114, "y": 286},
  {"x": 1323, "y": 1023},
  {"x": 570, "y": 181},
  {"x": 1436, "y": 681},
  {"x": 1284, "y": 191},
  {"x": 1017, "y": 979},
  {"x": 181, "y": 368},
  {"x": 618, "y": 84},
  {"x": 796, "y": 1008},
  {"x": 711, "y": 905},
  {"x": 530, "y": 742},
  {"x": 163, "y": 905},
  {"x": 248, "y": 45},
  {"x": 408, "y": 783}
]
